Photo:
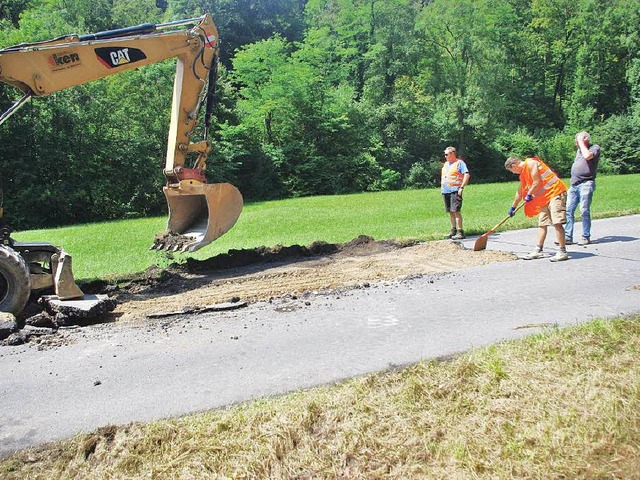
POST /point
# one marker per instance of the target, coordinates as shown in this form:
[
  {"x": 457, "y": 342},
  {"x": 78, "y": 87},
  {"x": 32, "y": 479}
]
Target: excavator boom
[
  {"x": 39, "y": 69},
  {"x": 198, "y": 212}
]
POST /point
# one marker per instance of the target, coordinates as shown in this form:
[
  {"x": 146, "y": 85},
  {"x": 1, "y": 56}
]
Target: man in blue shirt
[{"x": 454, "y": 177}]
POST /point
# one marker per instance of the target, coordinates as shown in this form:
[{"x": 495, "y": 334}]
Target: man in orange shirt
[{"x": 546, "y": 196}]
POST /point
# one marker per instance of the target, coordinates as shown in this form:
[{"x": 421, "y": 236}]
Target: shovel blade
[
  {"x": 481, "y": 242},
  {"x": 199, "y": 213}
]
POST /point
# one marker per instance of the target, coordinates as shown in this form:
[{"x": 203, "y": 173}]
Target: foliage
[
  {"x": 621, "y": 135},
  {"x": 421, "y": 176},
  {"x": 10, "y": 11},
  {"x": 242, "y": 22},
  {"x": 558, "y": 150},
  {"x": 327, "y": 97}
]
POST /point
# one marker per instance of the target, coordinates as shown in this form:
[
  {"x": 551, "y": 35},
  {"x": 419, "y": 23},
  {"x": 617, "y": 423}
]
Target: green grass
[
  {"x": 558, "y": 404},
  {"x": 121, "y": 247}
]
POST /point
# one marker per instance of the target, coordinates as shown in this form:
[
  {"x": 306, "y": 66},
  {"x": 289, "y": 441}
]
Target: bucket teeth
[{"x": 191, "y": 247}]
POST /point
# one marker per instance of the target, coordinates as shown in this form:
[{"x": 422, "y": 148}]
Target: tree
[
  {"x": 242, "y": 22},
  {"x": 464, "y": 72},
  {"x": 310, "y": 130},
  {"x": 605, "y": 52},
  {"x": 10, "y": 10}
]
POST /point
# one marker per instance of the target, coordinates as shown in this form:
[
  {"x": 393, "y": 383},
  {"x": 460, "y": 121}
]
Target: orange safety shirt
[{"x": 549, "y": 187}]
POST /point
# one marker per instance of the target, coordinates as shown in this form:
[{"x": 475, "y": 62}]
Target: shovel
[{"x": 481, "y": 242}]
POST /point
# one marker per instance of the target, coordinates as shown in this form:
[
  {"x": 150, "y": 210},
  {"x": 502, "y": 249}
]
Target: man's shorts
[
  {"x": 555, "y": 213},
  {"x": 452, "y": 202}
]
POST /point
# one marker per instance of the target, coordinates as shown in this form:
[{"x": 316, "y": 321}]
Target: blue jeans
[{"x": 580, "y": 194}]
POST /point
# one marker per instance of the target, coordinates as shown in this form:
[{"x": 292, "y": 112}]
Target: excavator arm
[
  {"x": 43, "y": 68},
  {"x": 198, "y": 212}
]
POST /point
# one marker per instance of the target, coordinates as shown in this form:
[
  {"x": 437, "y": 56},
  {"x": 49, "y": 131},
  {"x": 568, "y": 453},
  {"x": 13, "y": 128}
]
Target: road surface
[{"x": 116, "y": 374}]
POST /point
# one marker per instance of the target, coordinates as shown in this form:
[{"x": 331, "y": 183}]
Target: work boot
[
  {"x": 559, "y": 257},
  {"x": 537, "y": 253},
  {"x": 452, "y": 233},
  {"x": 459, "y": 235}
]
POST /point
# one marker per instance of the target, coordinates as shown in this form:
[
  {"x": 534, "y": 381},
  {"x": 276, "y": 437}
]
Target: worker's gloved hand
[
  {"x": 512, "y": 210},
  {"x": 528, "y": 198}
]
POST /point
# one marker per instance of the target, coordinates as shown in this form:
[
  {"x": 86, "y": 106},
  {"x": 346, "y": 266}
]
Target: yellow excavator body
[
  {"x": 42, "y": 68},
  {"x": 199, "y": 212}
]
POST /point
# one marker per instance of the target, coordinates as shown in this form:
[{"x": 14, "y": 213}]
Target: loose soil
[{"x": 266, "y": 273}]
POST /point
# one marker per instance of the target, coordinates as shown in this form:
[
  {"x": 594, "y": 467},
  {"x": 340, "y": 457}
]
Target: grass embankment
[
  {"x": 121, "y": 247},
  {"x": 559, "y": 404}
]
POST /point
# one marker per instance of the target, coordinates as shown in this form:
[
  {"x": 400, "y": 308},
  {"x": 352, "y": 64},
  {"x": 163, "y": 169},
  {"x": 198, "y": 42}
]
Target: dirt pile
[
  {"x": 231, "y": 280},
  {"x": 263, "y": 273}
]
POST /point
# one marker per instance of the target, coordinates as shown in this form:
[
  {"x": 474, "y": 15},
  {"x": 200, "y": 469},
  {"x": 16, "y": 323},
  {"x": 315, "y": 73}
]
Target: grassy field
[
  {"x": 556, "y": 405},
  {"x": 121, "y": 247}
]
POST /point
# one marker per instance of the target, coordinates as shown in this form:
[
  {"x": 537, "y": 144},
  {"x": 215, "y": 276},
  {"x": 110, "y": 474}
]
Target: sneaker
[
  {"x": 584, "y": 241},
  {"x": 458, "y": 236},
  {"x": 534, "y": 255},
  {"x": 559, "y": 257},
  {"x": 452, "y": 233}
]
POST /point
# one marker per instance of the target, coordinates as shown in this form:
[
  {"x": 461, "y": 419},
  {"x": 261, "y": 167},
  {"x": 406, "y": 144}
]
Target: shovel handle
[
  {"x": 506, "y": 218},
  {"x": 481, "y": 242}
]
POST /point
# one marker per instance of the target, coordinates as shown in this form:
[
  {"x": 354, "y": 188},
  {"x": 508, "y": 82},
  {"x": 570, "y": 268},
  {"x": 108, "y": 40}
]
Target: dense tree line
[{"x": 326, "y": 96}]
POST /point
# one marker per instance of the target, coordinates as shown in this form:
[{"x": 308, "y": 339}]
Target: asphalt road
[{"x": 116, "y": 374}]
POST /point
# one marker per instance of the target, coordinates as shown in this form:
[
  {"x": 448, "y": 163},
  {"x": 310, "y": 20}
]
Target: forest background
[{"x": 326, "y": 97}]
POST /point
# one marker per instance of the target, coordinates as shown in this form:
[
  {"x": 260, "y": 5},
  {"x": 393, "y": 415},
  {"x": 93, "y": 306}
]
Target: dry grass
[{"x": 562, "y": 404}]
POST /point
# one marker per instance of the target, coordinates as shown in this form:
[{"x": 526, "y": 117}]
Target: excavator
[{"x": 199, "y": 212}]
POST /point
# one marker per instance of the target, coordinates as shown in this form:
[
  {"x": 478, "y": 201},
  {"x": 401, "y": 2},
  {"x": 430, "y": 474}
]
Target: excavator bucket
[
  {"x": 199, "y": 213},
  {"x": 64, "y": 283}
]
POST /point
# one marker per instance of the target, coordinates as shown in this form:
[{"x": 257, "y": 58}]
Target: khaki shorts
[{"x": 555, "y": 213}]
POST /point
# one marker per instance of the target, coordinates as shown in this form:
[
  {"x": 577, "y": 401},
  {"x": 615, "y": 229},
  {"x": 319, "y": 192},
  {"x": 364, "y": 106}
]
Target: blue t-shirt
[{"x": 462, "y": 168}]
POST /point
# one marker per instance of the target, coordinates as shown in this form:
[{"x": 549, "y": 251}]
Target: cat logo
[
  {"x": 64, "y": 60},
  {"x": 112, "y": 57}
]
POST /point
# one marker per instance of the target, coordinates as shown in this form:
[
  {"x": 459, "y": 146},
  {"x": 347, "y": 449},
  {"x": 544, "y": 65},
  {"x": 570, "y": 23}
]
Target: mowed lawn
[{"x": 122, "y": 247}]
